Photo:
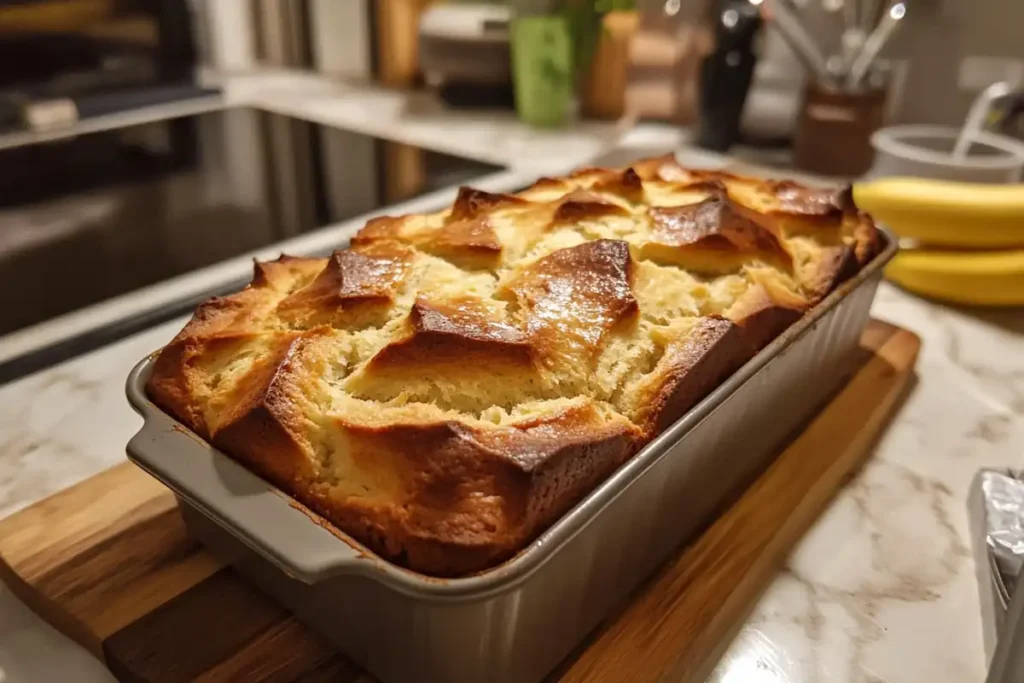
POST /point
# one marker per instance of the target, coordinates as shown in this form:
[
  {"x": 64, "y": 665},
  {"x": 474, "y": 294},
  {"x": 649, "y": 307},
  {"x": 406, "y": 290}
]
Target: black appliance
[
  {"x": 92, "y": 57},
  {"x": 727, "y": 72},
  {"x": 88, "y": 218}
]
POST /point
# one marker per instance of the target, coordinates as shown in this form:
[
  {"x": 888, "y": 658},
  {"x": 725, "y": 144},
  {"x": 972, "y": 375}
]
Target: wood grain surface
[{"x": 108, "y": 563}]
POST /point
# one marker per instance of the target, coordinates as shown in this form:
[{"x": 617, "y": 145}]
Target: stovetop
[{"x": 88, "y": 218}]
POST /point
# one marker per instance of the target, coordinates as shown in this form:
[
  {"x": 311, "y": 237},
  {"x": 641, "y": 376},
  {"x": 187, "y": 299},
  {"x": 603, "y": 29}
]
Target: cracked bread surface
[{"x": 449, "y": 385}]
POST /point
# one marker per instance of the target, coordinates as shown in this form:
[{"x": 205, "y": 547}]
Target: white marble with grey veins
[
  {"x": 881, "y": 590},
  {"x": 883, "y": 586}
]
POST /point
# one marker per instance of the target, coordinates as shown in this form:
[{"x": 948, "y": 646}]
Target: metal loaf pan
[{"x": 515, "y": 622}]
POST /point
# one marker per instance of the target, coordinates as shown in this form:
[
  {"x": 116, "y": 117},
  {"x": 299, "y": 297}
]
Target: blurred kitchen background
[
  {"x": 947, "y": 52},
  {"x": 648, "y": 59},
  {"x": 142, "y": 141},
  {"x": 943, "y": 56}
]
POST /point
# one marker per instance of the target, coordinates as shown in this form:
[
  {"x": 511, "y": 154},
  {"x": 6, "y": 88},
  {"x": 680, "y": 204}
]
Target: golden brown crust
[
  {"x": 452, "y": 383},
  {"x": 712, "y": 235},
  {"x": 582, "y": 204},
  {"x": 626, "y": 184},
  {"x": 454, "y": 331},
  {"x": 354, "y": 279},
  {"x": 473, "y": 497},
  {"x": 794, "y": 198},
  {"x": 261, "y": 418},
  {"x": 573, "y": 297},
  {"x": 472, "y": 235},
  {"x": 762, "y": 317},
  {"x": 837, "y": 265},
  {"x": 691, "y": 367},
  {"x": 471, "y": 203},
  {"x": 469, "y": 241}
]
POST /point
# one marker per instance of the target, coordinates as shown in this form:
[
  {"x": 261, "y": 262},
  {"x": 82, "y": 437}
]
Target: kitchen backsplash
[
  {"x": 946, "y": 52},
  {"x": 954, "y": 49}
]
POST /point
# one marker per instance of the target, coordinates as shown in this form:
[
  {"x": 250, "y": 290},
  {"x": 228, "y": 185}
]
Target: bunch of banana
[{"x": 968, "y": 237}]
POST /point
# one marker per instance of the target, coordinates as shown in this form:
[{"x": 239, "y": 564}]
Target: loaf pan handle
[{"x": 256, "y": 513}]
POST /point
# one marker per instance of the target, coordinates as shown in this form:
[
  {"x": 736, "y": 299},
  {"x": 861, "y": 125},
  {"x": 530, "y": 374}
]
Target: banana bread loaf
[{"x": 450, "y": 384}]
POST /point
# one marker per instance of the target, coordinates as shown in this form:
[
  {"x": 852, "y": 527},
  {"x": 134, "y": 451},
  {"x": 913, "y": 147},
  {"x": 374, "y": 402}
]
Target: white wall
[
  {"x": 340, "y": 31},
  {"x": 226, "y": 33}
]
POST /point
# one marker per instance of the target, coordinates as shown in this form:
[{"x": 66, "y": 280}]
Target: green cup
[{"x": 542, "y": 60}]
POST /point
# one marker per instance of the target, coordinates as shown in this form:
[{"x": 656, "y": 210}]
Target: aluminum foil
[
  {"x": 996, "y": 506},
  {"x": 1004, "y": 515}
]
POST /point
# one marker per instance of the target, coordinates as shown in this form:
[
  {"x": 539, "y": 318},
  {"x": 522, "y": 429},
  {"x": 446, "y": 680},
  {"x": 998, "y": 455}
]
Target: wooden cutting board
[{"x": 108, "y": 563}]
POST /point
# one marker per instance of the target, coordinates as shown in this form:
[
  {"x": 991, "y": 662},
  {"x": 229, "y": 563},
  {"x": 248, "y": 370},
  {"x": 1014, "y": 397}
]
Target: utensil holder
[{"x": 834, "y": 128}]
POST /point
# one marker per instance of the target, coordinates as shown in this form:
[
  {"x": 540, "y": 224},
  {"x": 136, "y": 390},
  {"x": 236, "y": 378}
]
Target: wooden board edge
[
  {"x": 611, "y": 655},
  {"x": 52, "y": 613},
  {"x": 902, "y": 346}
]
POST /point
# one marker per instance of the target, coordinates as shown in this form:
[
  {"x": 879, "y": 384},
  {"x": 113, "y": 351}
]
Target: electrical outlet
[{"x": 978, "y": 72}]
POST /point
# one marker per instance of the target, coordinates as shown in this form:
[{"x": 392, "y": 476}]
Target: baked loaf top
[{"x": 452, "y": 383}]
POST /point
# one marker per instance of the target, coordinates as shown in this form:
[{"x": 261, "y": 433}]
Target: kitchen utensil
[
  {"x": 926, "y": 151},
  {"x": 789, "y": 25},
  {"x": 851, "y": 43},
  {"x": 108, "y": 563},
  {"x": 851, "y": 15},
  {"x": 868, "y": 14},
  {"x": 1009, "y": 116},
  {"x": 977, "y": 116},
  {"x": 875, "y": 42}
]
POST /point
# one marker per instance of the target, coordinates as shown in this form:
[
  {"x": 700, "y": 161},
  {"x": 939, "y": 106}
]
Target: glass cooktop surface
[{"x": 88, "y": 218}]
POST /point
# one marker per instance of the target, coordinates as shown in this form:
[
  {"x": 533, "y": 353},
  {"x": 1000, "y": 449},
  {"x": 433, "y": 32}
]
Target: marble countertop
[{"x": 882, "y": 589}]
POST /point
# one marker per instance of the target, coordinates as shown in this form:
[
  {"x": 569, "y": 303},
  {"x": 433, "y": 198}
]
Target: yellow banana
[
  {"x": 946, "y": 213},
  {"x": 981, "y": 278}
]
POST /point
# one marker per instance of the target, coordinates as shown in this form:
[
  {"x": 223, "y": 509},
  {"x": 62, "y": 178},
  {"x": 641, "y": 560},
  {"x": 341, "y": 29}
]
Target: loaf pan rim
[{"x": 503, "y": 577}]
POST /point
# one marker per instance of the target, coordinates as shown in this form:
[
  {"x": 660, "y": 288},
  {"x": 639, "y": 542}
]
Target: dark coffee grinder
[{"x": 727, "y": 73}]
